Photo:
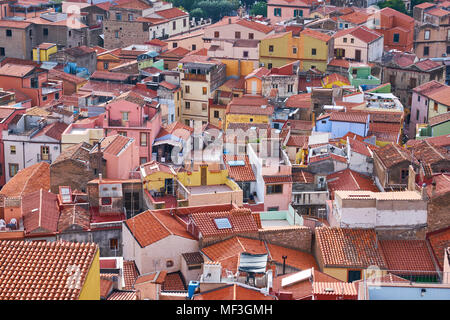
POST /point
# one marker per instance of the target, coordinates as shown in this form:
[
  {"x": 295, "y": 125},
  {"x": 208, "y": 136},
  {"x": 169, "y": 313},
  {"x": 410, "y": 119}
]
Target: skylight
[{"x": 222, "y": 223}]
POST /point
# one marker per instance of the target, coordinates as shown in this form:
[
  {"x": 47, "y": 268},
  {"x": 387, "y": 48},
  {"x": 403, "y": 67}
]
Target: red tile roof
[
  {"x": 439, "y": 241},
  {"x": 16, "y": 70},
  {"x": 349, "y": 247},
  {"x": 38, "y": 270},
  {"x": 362, "y": 33},
  {"x": 258, "y": 73},
  {"x": 113, "y": 144},
  {"x": 407, "y": 255},
  {"x": 154, "y": 167},
  {"x": 28, "y": 180},
  {"x": 277, "y": 179},
  {"x": 173, "y": 282},
  {"x": 428, "y": 64},
  {"x": 298, "y": 141},
  {"x": 233, "y": 292},
  {"x": 444, "y": 117},
  {"x": 122, "y": 295},
  {"x": 339, "y": 63},
  {"x": 302, "y": 177},
  {"x": 360, "y": 147},
  {"x": 149, "y": 227},
  {"x": 358, "y": 117},
  {"x": 130, "y": 274},
  {"x": 392, "y": 154},
  {"x": 424, "y": 5},
  {"x": 254, "y": 25},
  {"x": 171, "y": 13},
  {"x": 105, "y": 287},
  {"x": 74, "y": 216},
  {"x": 241, "y": 221},
  {"x": 315, "y": 34},
  {"x": 157, "y": 42},
  {"x": 437, "y": 12},
  {"x": 153, "y": 277},
  {"x": 112, "y": 76},
  {"x": 238, "y": 172},
  {"x": 355, "y": 17},
  {"x": 302, "y": 289},
  {"x": 40, "y": 212},
  {"x": 428, "y": 153},
  {"x": 334, "y": 289},
  {"x": 53, "y": 130},
  {"x": 302, "y": 100},
  {"x": 349, "y": 180}
]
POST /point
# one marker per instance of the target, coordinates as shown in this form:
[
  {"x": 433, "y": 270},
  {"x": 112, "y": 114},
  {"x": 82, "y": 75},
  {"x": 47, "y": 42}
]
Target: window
[
  {"x": 245, "y": 54},
  {"x": 194, "y": 47},
  {"x": 216, "y": 34},
  {"x": 174, "y": 25},
  {"x": 13, "y": 169},
  {"x": 396, "y": 37},
  {"x": 426, "y": 35},
  {"x": 105, "y": 65},
  {"x": 142, "y": 160},
  {"x": 45, "y": 152},
  {"x": 354, "y": 275},
  {"x": 352, "y": 40},
  {"x": 277, "y": 12},
  {"x": 251, "y": 120},
  {"x": 34, "y": 83},
  {"x": 125, "y": 116},
  {"x": 237, "y": 35},
  {"x": 169, "y": 263},
  {"x": 418, "y": 98},
  {"x": 251, "y": 36},
  {"x": 174, "y": 44},
  {"x": 187, "y": 89},
  {"x": 113, "y": 244},
  {"x": 290, "y": 87},
  {"x": 294, "y": 50},
  {"x": 204, "y": 90},
  {"x": 426, "y": 51},
  {"x": 313, "y": 51},
  {"x": 70, "y": 33},
  {"x": 99, "y": 17},
  {"x": 270, "y": 48},
  {"x": 184, "y": 23},
  {"x": 216, "y": 114},
  {"x": 2, "y": 51},
  {"x": 45, "y": 32},
  {"x": 273, "y": 208},
  {"x": 417, "y": 114},
  {"x": 122, "y": 133},
  {"x": 118, "y": 16},
  {"x": 346, "y": 26},
  {"x": 143, "y": 139},
  {"x": 8, "y": 33},
  {"x": 187, "y": 105},
  {"x": 12, "y": 149},
  {"x": 448, "y": 50},
  {"x": 345, "y": 40},
  {"x": 274, "y": 188},
  {"x": 106, "y": 201},
  {"x": 275, "y": 85},
  {"x": 404, "y": 174},
  {"x": 116, "y": 34},
  {"x": 269, "y": 66}
]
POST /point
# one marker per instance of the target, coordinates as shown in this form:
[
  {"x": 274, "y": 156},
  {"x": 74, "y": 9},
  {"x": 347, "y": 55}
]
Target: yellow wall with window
[
  {"x": 245, "y": 118},
  {"x": 194, "y": 178},
  {"x": 435, "y": 108},
  {"x": 156, "y": 181},
  {"x": 282, "y": 53},
  {"x": 307, "y": 58},
  {"x": 91, "y": 286},
  {"x": 44, "y": 54}
]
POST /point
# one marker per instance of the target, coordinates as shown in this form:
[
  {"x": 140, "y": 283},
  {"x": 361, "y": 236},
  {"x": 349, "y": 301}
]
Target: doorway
[{"x": 204, "y": 175}]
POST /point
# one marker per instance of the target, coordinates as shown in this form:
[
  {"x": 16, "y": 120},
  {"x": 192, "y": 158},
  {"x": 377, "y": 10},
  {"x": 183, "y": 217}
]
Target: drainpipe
[{"x": 284, "y": 264}]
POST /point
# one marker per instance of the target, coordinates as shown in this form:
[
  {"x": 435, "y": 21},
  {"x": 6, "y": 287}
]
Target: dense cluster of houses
[{"x": 149, "y": 155}]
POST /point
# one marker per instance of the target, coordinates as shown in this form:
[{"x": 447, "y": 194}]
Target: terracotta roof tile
[
  {"x": 123, "y": 295},
  {"x": 112, "y": 76},
  {"x": 113, "y": 144},
  {"x": 153, "y": 277},
  {"x": 130, "y": 274},
  {"x": 239, "y": 172},
  {"x": 392, "y": 154},
  {"x": 233, "y": 292},
  {"x": 154, "y": 167},
  {"x": 350, "y": 117},
  {"x": 302, "y": 176},
  {"x": 277, "y": 179},
  {"x": 439, "y": 241},
  {"x": 430, "y": 154},
  {"x": 171, "y": 13},
  {"x": 193, "y": 258},
  {"x": 360, "y": 147},
  {"x": 241, "y": 221},
  {"x": 74, "y": 216},
  {"x": 16, "y": 70},
  {"x": 334, "y": 77},
  {"x": 298, "y": 141},
  {"x": 349, "y": 180},
  {"x": 173, "y": 282},
  {"x": 53, "y": 130},
  {"x": 105, "y": 287},
  {"x": 302, "y": 100},
  {"x": 37, "y": 270},
  {"x": 407, "y": 255},
  {"x": 334, "y": 288},
  {"x": 40, "y": 212},
  {"x": 439, "y": 119},
  {"x": 161, "y": 225},
  {"x": 315, "y": 34},
  {"x": 297, "y": 259},
  {"x": 349, "y": 247},
  {"x": 28, "y": 180}
]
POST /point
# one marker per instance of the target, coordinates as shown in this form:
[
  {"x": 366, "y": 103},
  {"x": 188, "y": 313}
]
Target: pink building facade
[
  {"x": 140, "y": 122},
  {"x": 280, "y": 10}
]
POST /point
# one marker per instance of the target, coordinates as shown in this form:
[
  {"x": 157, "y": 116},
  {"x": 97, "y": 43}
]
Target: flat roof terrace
[{"x": 209, "y": 189}]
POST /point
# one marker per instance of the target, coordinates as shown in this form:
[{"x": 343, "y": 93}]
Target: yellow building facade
[
  {"x": 43, "y": 51},
  {"x": 91, "y": 286},
  {"x": 245, "y": 118}
]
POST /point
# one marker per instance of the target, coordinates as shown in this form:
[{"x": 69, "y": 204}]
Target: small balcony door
[
  {"x": 204, "y": 175},
  {"x": 45, "y": 153}
]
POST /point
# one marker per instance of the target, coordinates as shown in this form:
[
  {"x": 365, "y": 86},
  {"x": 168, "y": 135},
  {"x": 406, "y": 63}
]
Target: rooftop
[{"x": 28, "y": 180}]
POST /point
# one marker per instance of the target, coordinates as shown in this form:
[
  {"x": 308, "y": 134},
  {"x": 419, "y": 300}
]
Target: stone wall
[{"x": 438, "y": 212}]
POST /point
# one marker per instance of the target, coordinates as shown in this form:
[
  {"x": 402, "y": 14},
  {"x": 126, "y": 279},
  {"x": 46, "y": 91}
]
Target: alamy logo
[
  {"x": 73, "y": 17},
  {"x": 74, "y": 279}
]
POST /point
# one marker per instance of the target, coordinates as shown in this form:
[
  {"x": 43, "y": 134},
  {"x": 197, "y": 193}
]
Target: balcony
[{"x": 194, "y": 77}]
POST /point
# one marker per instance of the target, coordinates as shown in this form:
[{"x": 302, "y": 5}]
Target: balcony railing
[{"x": 195, "y": 77}]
